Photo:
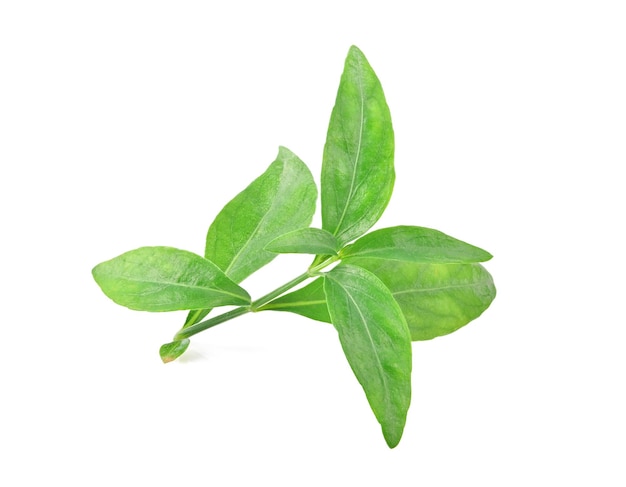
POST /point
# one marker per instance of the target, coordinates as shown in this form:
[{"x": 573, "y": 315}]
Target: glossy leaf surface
[
  {"x": 376, "y": 341},
  {"x": 279, "y": 201},
  {"x": 357, "y": 168},
  {"x": 166, "y": 279},
  {"x": 305, "y": 241},
  {"x": 436, "y": 299},
  {"x": 413, "y": 244}
]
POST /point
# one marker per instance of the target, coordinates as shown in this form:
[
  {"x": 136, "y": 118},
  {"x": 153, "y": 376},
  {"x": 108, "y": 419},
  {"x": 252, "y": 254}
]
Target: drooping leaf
[
  {"x": 305, "y": 241},
  {"x": 413, "y": 244},
  {"x": 357, "y": 169},
  {"x": 166, "y": 279},
  {"x": 171, "y": 351},
  {"x": 309, "y": 301},
  {"x": 376, "y": 341},
  {"x": 279, "y": 201},
  {"x": 436, "y": 299}
]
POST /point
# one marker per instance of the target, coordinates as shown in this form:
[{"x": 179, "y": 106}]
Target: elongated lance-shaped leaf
[
  {"x": 413, "y": 244},
  {"x": 376, "y": 341},
  {"x": 436, "y": 299},
  {"x": 357, "y": 169},
  {"x": 305, "y": 241},
  {"x": 166, "y": 279},
  {"x": 279, "y": 201}
]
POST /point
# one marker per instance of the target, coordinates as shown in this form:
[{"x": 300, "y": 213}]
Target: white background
[{"x": 126, "y": 123}]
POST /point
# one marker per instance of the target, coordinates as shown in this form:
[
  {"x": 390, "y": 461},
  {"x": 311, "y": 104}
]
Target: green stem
[
  {"x": 256, "y": 304},
  {"x": 204, "y": 325}
]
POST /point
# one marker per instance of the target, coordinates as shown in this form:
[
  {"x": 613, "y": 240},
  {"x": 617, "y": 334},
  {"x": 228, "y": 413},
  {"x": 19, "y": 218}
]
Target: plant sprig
[{"x": 384, "y": 289}]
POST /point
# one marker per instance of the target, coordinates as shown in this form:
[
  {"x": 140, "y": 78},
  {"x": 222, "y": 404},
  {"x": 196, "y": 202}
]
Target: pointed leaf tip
[
  {"x": 376, "y": 341},
  {"x": 166, "y": 279},
  {"x": 357, "y": 168}
]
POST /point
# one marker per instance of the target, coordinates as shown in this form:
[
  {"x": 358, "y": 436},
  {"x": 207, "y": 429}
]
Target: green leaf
[
  {"x": 357, "y": 169},
  {"x": 309, "y": 301},
  {"x": 413, "y": 244},
  {"x": 376, "y": 341},
  {"x": 166, "y": 279},
  {"x": 282, "y": 199},
  {"x": 305, "y": 241},
  {"x": 436, "y": 299},
  {"x": 171, "y": 351}
]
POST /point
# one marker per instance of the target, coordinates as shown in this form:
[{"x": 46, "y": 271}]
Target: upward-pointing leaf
[
  {"x": 166, "y": 279},
  {"x": 281, "y": 200},
  {"x": 376, "y": 340},
  {"x": 357, "y": 169}
]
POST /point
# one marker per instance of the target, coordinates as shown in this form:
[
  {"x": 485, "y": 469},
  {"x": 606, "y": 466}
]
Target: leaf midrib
[
  {"x": 358, "y": 152},
  {"x": 375, "y": 254},
  {"x": 380, "y": 368},
  {"x": 440, "y": 288},
  {"x": 175, "y": 284},
  {"x": 256, "y": 229}
]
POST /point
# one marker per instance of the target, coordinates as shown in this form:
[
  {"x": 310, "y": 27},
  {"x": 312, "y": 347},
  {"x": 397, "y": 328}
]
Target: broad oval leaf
[
  {"x": 436, "y": 299},
  {"x": 357, "y": 168},
  {"x": 413, "y": 244},
  {"x": 305, "y": 241},
  {"x": 282, "y": 199},
  {"x": 166, "y": 279},
  {"x": 376, "y": 341}
]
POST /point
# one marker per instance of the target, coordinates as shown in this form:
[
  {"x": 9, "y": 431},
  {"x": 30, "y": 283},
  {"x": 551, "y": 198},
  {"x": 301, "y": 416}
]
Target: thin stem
[
  {"x": 216, "y": 320},
  {"x": 256, "y": 304}
]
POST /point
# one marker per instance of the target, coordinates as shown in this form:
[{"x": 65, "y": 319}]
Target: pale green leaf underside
[
  {"x": 166, "y": 279},
  {"x": 305, "y": 241},
  {"x": 279, "y": 201},
  {"x": 376, "y": 341},
  {"x": 413, "y": 244},
  {"x": 357, "y": 168},
  {"x": 436, "y": 299}
]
